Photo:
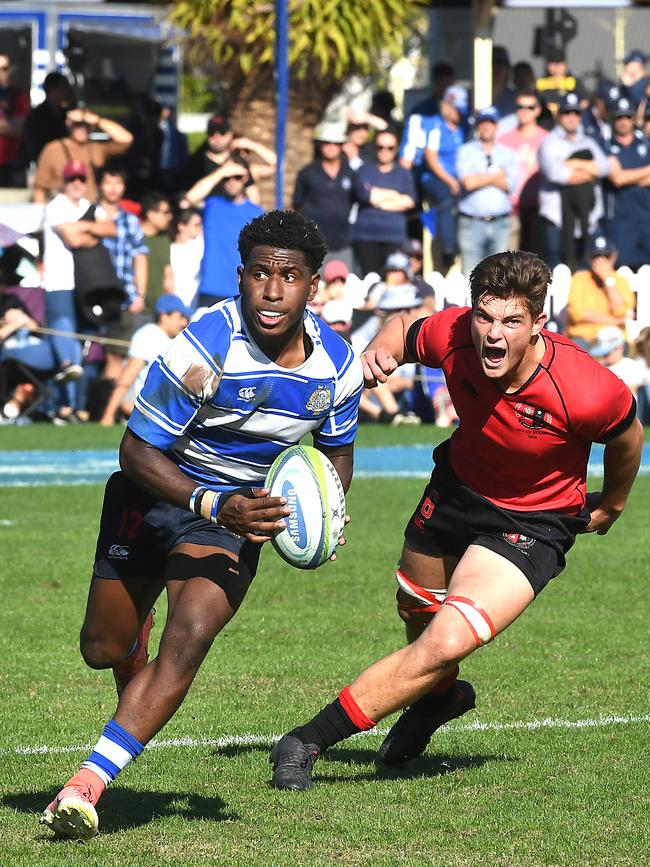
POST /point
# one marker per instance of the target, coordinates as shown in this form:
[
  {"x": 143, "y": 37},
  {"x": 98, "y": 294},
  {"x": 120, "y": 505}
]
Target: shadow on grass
[
  {"x": 121, "y": 809},
  {"x": 432, "y": 765}
]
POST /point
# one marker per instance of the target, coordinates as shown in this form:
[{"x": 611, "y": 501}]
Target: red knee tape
[
  {"x": 431, "y": 607},
  {"x": 353, "y": 710},
  {"x": 475, "y": 617}
]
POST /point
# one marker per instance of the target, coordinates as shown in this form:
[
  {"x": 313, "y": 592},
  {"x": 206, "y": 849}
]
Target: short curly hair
[{"x": 286, "y": 230}]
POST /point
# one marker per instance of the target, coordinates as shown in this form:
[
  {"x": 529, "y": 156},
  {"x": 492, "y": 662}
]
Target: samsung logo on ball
[{"x": 295, "y": 522}]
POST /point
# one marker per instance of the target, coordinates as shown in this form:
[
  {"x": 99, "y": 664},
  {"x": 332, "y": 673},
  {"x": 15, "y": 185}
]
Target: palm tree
[{"x": 328, "y": 41}]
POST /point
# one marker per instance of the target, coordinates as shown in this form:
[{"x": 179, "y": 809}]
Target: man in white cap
[{"x": 323, "y": 191}]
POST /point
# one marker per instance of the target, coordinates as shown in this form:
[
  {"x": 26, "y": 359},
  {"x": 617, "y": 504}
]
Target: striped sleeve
[{"x": 181, "y": 381}]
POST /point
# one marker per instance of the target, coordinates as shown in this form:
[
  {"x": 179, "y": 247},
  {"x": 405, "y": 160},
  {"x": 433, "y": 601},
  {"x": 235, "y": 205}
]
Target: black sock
[{"x": 328, "y": 727}]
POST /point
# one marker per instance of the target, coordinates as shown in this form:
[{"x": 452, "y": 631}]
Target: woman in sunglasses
[{"x": 385, "y": 192}]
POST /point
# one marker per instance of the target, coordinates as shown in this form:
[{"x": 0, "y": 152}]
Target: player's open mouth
[
  {"x": 270, "y": 318},
  {"x": 493, "y": 355}
]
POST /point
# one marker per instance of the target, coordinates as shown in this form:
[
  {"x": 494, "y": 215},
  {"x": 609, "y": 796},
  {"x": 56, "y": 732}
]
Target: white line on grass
[{"x": 251, "y": 740}]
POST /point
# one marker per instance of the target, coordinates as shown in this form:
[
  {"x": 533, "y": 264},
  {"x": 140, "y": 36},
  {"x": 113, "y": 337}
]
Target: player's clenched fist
[{"x": 377, "y": 366}]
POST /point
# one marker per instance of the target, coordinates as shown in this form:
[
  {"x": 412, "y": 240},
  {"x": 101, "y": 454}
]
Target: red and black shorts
[
  {"x": 138, "y": 531},
  {"x": 450, "y": 517}
]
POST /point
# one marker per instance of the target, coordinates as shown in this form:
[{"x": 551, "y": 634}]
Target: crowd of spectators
[{"x": 548, "y": 167}]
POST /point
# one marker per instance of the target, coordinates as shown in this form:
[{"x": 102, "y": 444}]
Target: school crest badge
[{"x": 320, "y": 400}]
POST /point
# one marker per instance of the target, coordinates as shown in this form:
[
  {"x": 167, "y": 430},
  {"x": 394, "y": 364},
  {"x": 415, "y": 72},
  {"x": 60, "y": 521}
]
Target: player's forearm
[
  {"x": 342, "y": 460},
  {"x": 622, "y": 459},
  {"x": 476, "y": 181},
  {"x": 398, "y": 203},
  {"x": 115, "y": 131},
  {"x": 152, "y": 471},
  {"x": 204, "y": 186},
  {"x": 141, "y": 274},
  {"x": 392, "y": 338}
]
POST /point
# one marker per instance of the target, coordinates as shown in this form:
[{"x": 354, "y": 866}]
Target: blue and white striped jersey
[{"x": 222, "y": 411}]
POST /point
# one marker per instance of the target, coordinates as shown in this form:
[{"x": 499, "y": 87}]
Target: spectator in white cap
[
  {"x": 413, "y": 249},
  {"x": 338, "y": 315},
  {"x": 398, "y": 272},
  {"x": 148, "y": 342},
  {"x": 323, "y": 191},
  {"x": 598, "y": 296},
  {"x": 609, "y": 350}
]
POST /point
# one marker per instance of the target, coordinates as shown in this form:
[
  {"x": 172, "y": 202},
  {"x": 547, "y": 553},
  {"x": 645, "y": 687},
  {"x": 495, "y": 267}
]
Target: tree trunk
[{"x": 255, "y": 118}]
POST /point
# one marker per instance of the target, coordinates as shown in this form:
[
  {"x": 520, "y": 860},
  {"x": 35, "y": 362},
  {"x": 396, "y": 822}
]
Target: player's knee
[{"x": 100, "y": 651}]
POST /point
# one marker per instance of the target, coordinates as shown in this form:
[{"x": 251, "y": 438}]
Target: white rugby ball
[{"x": 306, "y": 478}]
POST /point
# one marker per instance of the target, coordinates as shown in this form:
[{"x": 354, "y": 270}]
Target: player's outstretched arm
[
  {"x": 386, "y": 351},
  {"x": 621, "y": 464}
]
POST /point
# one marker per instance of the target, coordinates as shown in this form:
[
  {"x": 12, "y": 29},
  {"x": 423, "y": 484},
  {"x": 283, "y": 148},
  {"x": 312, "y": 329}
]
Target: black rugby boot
[
  {"x": 410, "y": 735},
  {"x": 293, "y": 763}
]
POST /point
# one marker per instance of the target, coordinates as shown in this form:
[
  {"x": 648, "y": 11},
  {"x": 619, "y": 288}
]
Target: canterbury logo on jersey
[
  {"x": 532, "y": 417},
  {"x": 246, "y": 393},
  {"x": 118, "y": 552}
]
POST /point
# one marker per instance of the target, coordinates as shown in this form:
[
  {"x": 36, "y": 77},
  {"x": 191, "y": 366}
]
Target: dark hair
[
  {"x": 151, "y": 201},
  {"x": 442, "y": 69},
  {"x": 185, "y": 215},
  {"x": 53, "y": 80},
  {"x": 529, "y": 92},
  {"x": 286, "y": 230},
  {"x": 513, "y": 274},
  {"x": 112, "y": 167}
]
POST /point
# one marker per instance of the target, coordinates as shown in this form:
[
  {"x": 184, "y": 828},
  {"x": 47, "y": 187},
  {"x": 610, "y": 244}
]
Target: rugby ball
[{"x": 306, "y": 478}]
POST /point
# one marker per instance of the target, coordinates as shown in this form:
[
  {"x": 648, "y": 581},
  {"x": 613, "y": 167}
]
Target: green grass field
[{"x": 547, "y": 778}]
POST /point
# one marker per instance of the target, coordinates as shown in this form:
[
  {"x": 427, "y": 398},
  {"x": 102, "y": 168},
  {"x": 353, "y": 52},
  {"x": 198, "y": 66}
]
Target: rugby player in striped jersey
[{"x": 187, "y": 511}]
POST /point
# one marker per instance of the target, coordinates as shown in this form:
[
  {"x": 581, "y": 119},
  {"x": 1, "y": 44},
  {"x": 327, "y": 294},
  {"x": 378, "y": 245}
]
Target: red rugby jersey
[{"x": 528, "y": 450}]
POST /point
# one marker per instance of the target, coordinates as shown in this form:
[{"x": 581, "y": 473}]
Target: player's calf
[{"x": 450, "y": 698}]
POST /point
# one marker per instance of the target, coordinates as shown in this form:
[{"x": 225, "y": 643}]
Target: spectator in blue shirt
[
  {"x": 628, "y": 199},
  {"x": 634, "y": 79},
  {"x": 430, "y": 146},
  {"x": 488, "y": 175},
  {"x": 226, "y": 212},
  {"x": 385, "y": 191}
]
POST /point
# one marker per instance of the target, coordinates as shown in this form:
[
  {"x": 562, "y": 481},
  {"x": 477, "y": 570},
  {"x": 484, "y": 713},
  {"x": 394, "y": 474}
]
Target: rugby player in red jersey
[{"x": 505, "y": 501}]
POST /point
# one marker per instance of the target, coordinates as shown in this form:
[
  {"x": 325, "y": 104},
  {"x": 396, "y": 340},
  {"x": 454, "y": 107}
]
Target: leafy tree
[{"x": 328, "y": 40}]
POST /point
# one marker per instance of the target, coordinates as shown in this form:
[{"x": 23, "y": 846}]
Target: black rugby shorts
[
  {"x": 450, "y": 517},
  {"x": 137, "y": 533}
]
